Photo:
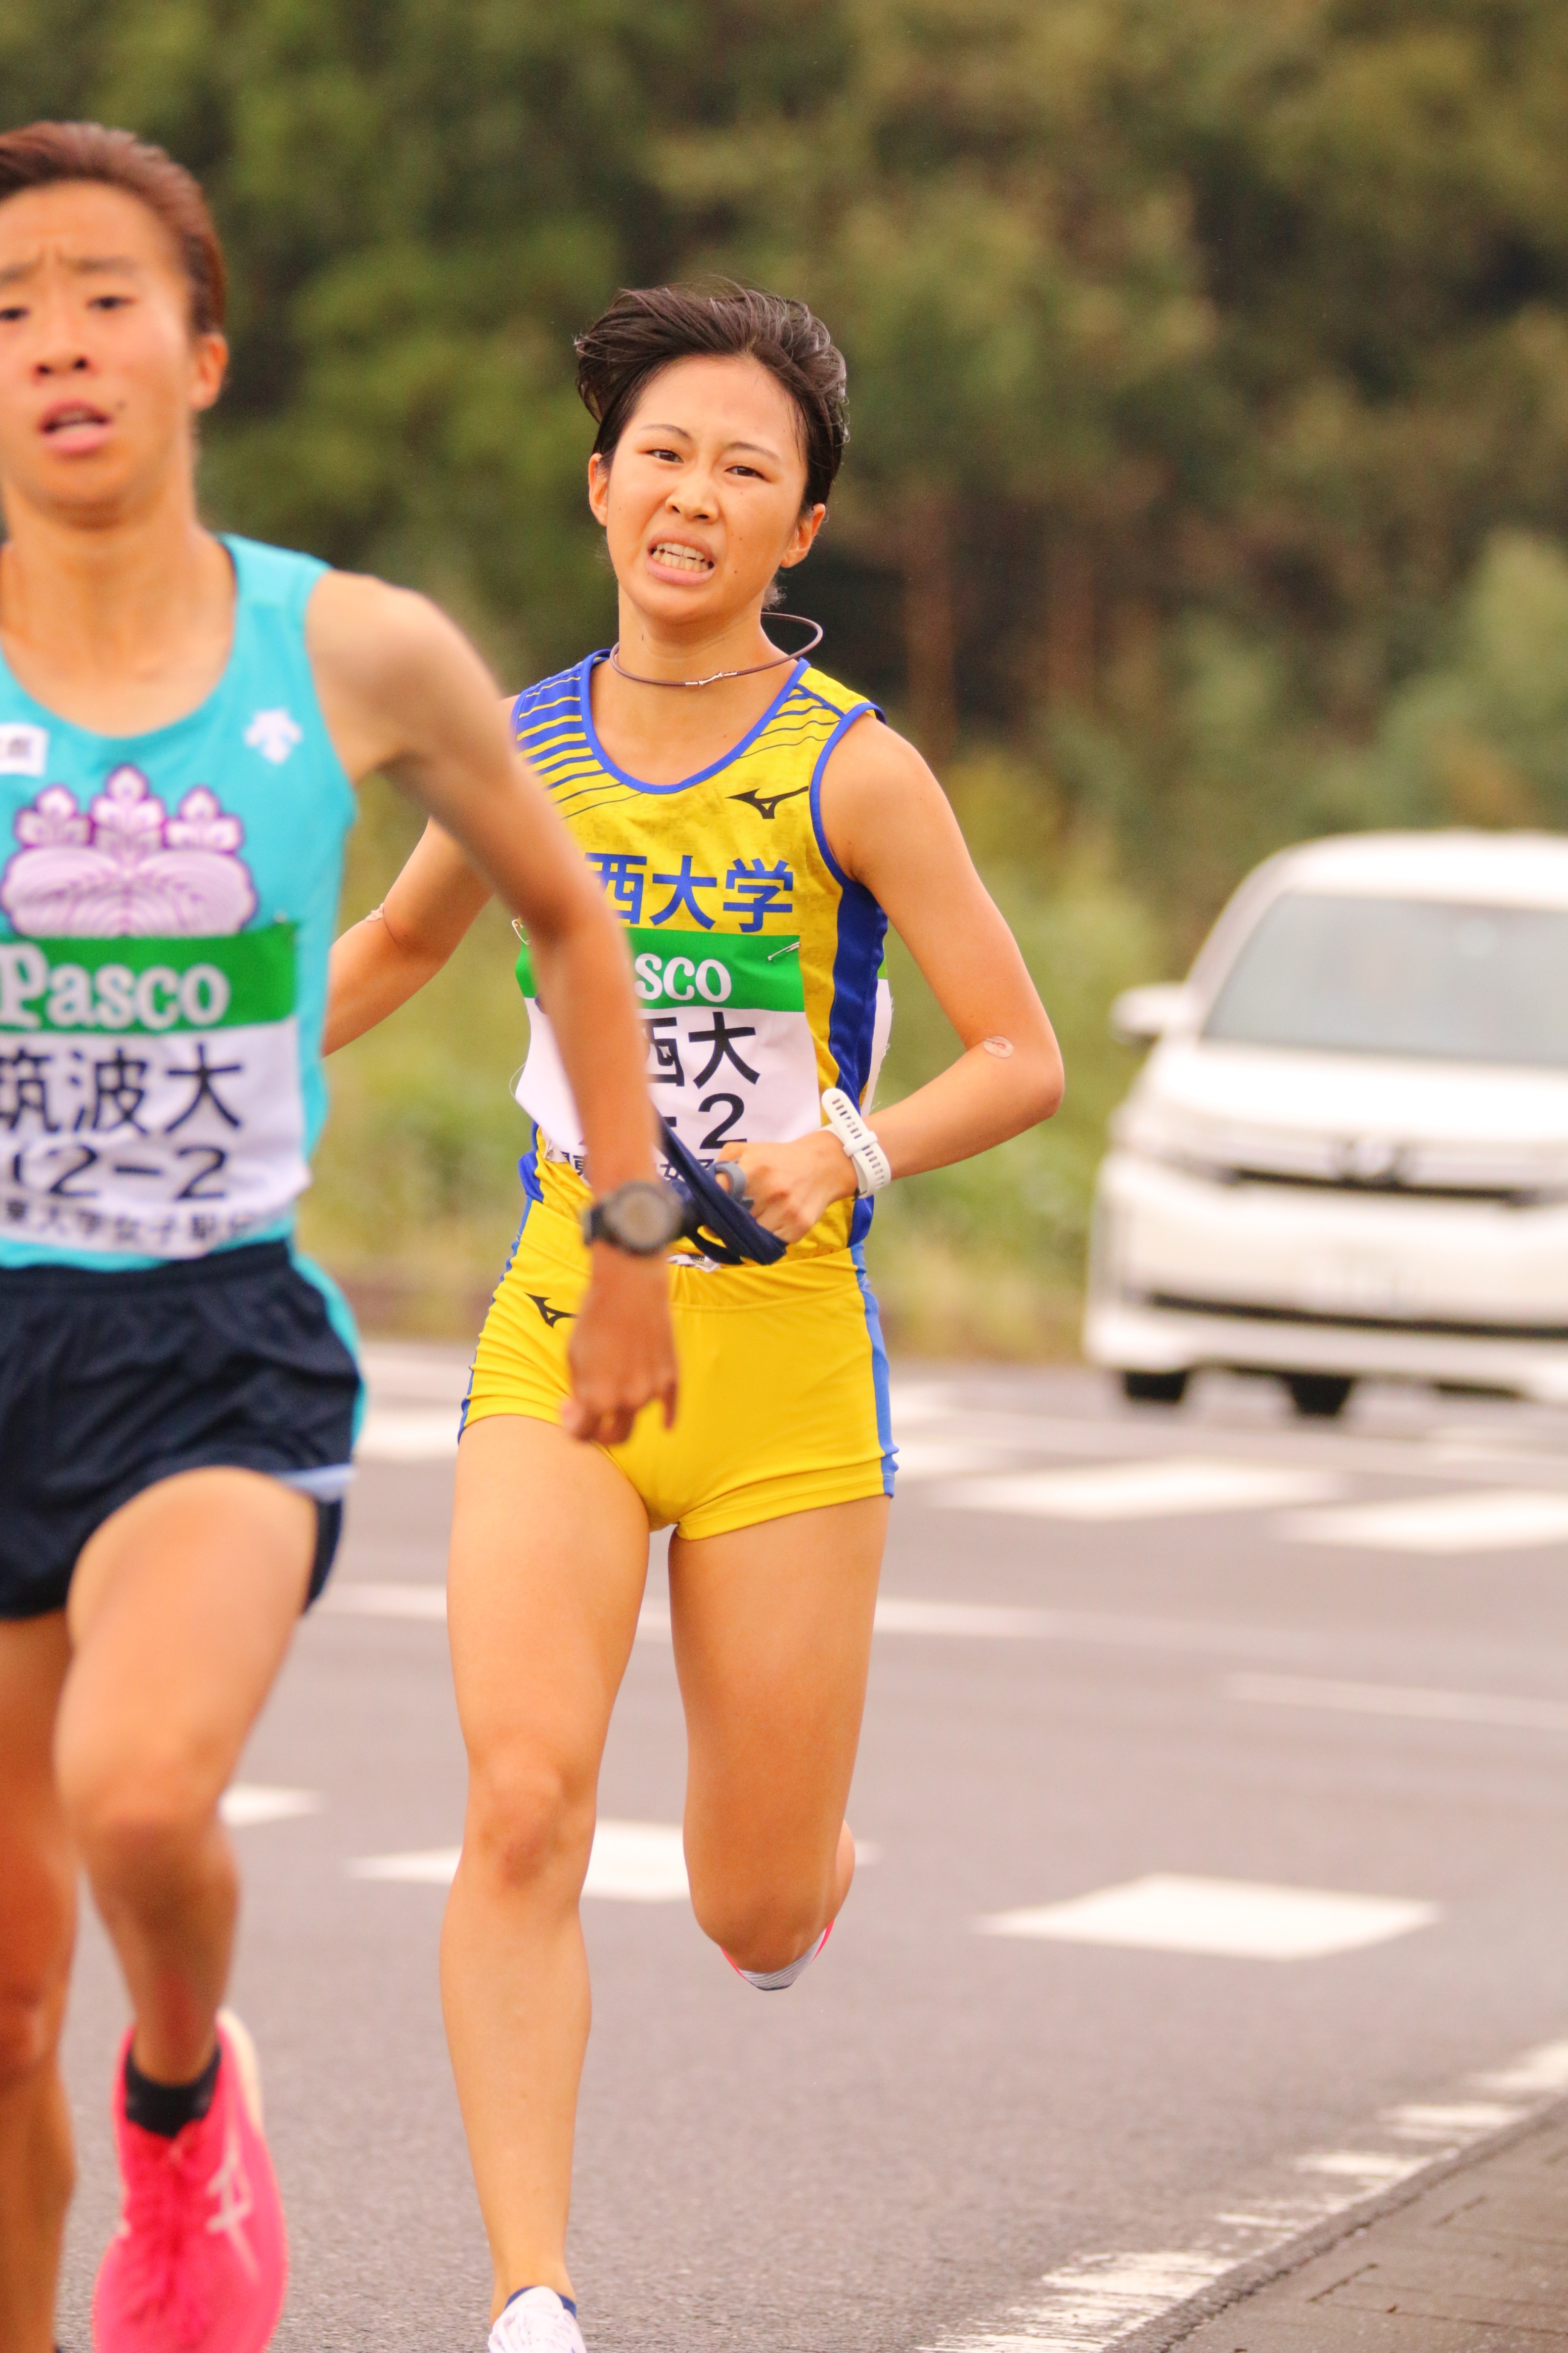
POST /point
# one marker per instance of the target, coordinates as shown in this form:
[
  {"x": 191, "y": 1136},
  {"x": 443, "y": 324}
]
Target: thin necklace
[{"x": 713, "y": 677}]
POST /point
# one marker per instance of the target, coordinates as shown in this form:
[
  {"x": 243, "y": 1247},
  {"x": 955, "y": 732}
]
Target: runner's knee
[
  {"x": 31, "y": 2020},
  {"x": 37, "y": 1933},
  {"x": 765, "y": 1925},
  {"x": 529, "y": 1823},
  {"x": 138, "y": 1820}
]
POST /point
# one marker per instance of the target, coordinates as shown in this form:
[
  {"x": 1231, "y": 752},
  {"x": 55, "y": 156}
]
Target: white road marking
[
  {"x": 948, "y": 1458},
  {"x": 896, "y": 1615},
  {"x": 899, "y": 1614},
  {"x": 1368, "y": 2169},
  {"x": 1090, "y": 2304},
  {"x": 432, "y": 1866},
  {"x": 915, "y": 1401},
  {"x": 1460, "y": 2121},
  {"x": 638, "y": 1862},
  {"x": 1347, "y": 1448},
  {"x": 1493, "y": 1519},
  {"x": 1139, "y": 1491},
  {"x": 632, "y": 1863},
  {"x": 1400, "y": 1700},
  {"x": 364, "y": 1598},
  {"x": 1170, "y": 1913},
  {"x": 1099, "y": 2301},
  {"x": 1535, "y": 2075},
  {"x": 407, "y": 1434},
  {"x": 397, "y": 1369},
  {"x": 244, "y": 1803}
]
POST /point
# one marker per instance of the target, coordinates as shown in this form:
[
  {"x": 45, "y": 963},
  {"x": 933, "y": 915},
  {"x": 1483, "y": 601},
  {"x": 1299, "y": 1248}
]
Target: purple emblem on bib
[{"x": 126, "y": 868}]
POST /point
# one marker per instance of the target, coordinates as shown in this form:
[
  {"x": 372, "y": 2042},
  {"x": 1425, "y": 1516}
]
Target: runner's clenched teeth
[
  {"x": 69, "y": 413},
  {"x": 682, "y": 558}
]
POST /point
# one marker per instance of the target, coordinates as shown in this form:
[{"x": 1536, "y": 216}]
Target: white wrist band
[{"x": 873, "y": 1170}]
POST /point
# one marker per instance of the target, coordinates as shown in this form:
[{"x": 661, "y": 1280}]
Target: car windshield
[{"x": 1419, "y": 977}]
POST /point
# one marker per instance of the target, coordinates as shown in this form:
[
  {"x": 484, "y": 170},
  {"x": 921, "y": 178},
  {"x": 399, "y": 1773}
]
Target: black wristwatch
[{"x": 641, "y": 1218}]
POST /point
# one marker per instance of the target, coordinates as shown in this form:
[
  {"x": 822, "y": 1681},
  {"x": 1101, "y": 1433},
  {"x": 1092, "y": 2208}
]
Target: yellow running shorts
[{"x": 784, "y": 1381}]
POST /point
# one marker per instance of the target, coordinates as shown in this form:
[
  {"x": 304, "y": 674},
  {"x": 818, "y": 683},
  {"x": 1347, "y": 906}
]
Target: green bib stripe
[
  {"x": 672, "y": 968},
  {"x": 148, "y": 986}
]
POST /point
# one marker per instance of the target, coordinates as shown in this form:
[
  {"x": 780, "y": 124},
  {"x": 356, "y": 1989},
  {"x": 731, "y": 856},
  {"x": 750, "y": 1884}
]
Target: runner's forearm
[
  {"x": 979, "y": 1100},
  {"x": 370, "y": 975},
  {"x": 583, "y": 983},
  {"x": 379, "y": 963}
]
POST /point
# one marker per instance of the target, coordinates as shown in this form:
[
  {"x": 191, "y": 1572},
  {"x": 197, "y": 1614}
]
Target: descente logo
[
  {"x": 112, "y": 997},
  {"x": 681, "y": 980}
]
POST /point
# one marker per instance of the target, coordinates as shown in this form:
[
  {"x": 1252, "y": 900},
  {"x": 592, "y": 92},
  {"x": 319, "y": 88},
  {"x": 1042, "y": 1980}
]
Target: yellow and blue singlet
[{"x": 756, "y": 962}]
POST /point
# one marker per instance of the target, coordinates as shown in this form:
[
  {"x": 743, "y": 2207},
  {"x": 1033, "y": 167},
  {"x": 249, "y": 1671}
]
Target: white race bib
[{"x": 149, "y": 1091}]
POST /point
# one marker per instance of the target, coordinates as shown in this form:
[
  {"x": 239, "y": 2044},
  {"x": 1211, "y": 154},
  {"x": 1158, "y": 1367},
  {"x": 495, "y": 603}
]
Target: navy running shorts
[{"x": 111, "y": 1381}]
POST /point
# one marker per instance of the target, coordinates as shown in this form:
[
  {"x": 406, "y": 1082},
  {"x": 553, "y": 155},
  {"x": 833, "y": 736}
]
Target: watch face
[{"x": 643, "y": 1216}]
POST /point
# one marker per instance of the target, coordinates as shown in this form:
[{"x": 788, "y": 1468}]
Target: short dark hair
[
  {"x": 648, "y": 328},
  {"x": 45, "y": 155}
]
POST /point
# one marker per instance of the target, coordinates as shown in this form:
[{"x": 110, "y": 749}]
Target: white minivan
[{"x": 1347, "y": 1156}]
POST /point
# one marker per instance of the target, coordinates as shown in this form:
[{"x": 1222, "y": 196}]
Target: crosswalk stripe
[
  {"x": 246, "y": 1803},
  {"x": 1140, "y": 1490},
  {"x": 910, "y": 1614},
  {"x": 632, "y": 1863},
  {"x": 1170, "y": 1913},
  {"x": 407, "y": 1434},
  {"x": 1491, "y": 1519}
]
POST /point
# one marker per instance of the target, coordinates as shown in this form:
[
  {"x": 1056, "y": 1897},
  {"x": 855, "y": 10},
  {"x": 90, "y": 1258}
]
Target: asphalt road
[{"x": 1287, "y": 1658}]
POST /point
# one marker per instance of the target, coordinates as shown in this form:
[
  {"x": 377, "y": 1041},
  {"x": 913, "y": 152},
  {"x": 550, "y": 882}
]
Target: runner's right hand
[{"x": 622, "y": 1352}]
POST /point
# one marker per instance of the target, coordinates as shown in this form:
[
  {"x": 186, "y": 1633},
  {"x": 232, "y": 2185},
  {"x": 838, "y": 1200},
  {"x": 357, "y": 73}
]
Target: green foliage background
[{"x": 1209, "y": 485}]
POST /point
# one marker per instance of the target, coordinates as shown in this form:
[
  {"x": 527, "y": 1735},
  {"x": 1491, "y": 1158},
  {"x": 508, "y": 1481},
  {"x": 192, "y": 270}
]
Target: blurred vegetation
[
  {"x": 416, "y": 1195},
  {"x": 1209, "y": 485}
]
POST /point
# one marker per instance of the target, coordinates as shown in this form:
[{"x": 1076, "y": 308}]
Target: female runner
[
  {"x": 756, "y": 828},
  {"x": 181, "y": 721}
]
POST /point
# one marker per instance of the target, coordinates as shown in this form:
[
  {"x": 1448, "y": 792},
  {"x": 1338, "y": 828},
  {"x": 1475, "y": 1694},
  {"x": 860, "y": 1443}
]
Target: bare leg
[
  {"x": 773, "y": 1645},
  {"x": 181, "y": 1611},
  {"x": 38, "y": 1929},
  {"x": 548, "y": 1559}
]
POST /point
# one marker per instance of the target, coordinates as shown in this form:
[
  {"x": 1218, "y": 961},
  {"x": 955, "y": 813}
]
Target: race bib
[
  {"x": 150, "y": 1092},
  {"x": 730, "y": 1057}
]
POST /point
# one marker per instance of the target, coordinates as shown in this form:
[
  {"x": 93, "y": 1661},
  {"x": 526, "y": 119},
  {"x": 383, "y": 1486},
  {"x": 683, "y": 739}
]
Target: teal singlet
[{"x": 167, "y": 906}]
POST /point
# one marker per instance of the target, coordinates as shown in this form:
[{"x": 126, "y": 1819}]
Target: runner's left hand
[
  {"x": 792, "y": 1184},
  {"x": 622, "y": 1351}
]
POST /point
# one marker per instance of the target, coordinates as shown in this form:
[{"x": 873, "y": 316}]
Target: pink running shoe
[{"x": 199, "y": 2263}]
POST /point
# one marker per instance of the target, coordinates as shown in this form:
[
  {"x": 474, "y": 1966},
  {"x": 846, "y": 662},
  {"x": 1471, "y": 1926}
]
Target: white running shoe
[{"x": 537, "y": 2321}]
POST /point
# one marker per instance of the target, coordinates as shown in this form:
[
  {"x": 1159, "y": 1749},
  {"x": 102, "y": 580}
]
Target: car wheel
[
  {"x": 1319, "y": 1396},
  {"x": 1154, "y": 1389}
]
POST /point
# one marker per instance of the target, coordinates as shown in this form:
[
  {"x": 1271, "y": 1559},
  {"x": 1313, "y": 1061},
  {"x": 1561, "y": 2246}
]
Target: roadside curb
[{"x": 1250, "y": 2277}]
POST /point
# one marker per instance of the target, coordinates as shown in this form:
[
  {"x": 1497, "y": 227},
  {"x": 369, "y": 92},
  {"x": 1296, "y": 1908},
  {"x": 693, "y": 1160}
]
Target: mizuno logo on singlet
[
  {"x": 553, "y": 1315},
  {"x": 766, "y": 804}
]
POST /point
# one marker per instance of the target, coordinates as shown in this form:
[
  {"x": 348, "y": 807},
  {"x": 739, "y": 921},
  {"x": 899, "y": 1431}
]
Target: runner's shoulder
[
  {"x": 395, "y": 675},
  {"x": 874, "y": 779},
  {"x": 546, "y": 703},
  {"x": 819, "y": 687},
  {"x": 367, "y": 631}
]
